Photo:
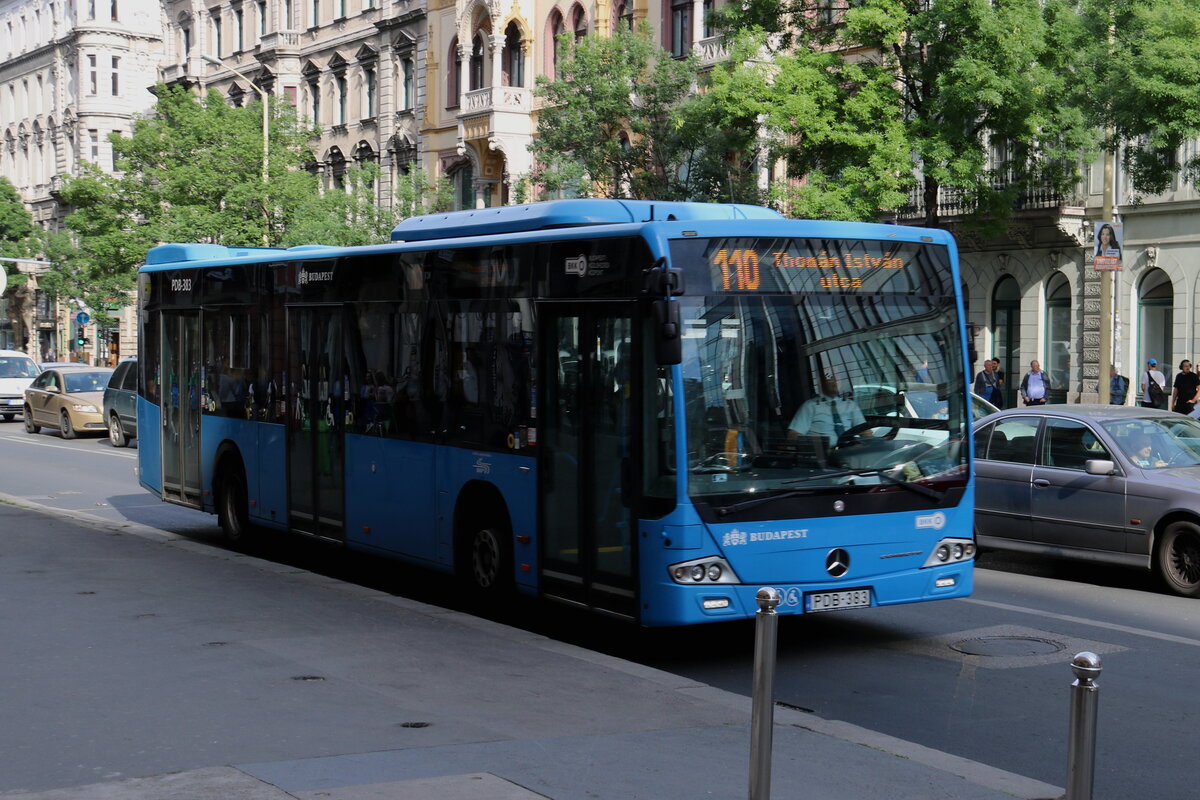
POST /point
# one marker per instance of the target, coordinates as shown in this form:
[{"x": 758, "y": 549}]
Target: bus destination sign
[{"x": 815, "y": 265}]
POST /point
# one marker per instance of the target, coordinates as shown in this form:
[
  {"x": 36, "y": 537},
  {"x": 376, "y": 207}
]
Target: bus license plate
[{"x": 837, "y": 601}]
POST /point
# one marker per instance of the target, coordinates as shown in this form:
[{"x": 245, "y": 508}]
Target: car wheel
[
  {"x": 1179, "y": 558},
  {"x": 116, "y": 434},
  {"x": 64, "y": 425},
  {"x": 30, "y": 425},
  {"x": 232, "y": 511}
]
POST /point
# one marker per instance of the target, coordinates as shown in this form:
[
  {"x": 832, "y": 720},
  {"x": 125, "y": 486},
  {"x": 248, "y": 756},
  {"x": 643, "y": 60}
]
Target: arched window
[
  {"x": 1156, "y": 306},
  {"x": 513, "y": 58},
  {"x": 454, "y": 61},
  {"x": 578, "y": 22},
  {"x": 1058, "y": 336},
  {"x": 554, "y": 29},
  {"x": 1006, "y": 334},
  {"x": 623, "y": 15},
  {"x": 477, "y": 48}
]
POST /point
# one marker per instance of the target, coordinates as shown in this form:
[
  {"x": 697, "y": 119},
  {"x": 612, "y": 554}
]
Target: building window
[
  {"x": 452, "y": 78},
  {"x": 216, "y": 23},
  {"x": 407, "y": 100},
  {"x": 578, "y": 23},
  {"x": 316, "y": 13},
  {"x": 341, "y": 90},
  {"x": 112, "y": 10},
  {"x": 477, "y": 62},
  {"x": 91, "y": 9},
  {"x": 341, "y": 9},
  {"x": 93, "y": 80},
  {"x": 314, "y": 100},
  {"x": 287, "y": 14},
  {"x": 556, "y": 29},
  {"x": 513, "y": 58},
  {"x": 709, "y": 6},
  {"x": 187, "y": 41},
  {"x": 369, "y": 84},
  {"x": 262, "y": 18},
  {"x": 94, "y": 143},
  {"x": 624, "y": 11},
  {"x": 681, "y": 27},
  {"x": 466, "y": 188},
  {"x": 116, "y": 79},
  {"x": 239, "y": 22}
]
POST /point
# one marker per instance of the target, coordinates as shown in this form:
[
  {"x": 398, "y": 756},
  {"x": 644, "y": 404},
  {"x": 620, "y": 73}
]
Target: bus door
[
  {"x": 316, "y": 421},
  {"x": 180, "y": 364},
  {"x": 587, "y": 528}
]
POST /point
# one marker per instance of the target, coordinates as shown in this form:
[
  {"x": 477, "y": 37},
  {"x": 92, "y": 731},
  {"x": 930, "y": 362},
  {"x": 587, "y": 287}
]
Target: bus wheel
[
  {"x": 1178, "y": 557},
  {"x": 488, "y": 560},
  {"x": 232, "y": 513}
]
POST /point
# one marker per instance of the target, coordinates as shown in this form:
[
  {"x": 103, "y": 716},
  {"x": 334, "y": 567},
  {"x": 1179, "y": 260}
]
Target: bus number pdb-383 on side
[{"x": 651, "y": 410}]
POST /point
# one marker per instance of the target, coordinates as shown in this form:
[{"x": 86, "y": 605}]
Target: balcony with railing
[
  {"x": 1038, "y": 194},
  {"x": 511, "y": 99}
]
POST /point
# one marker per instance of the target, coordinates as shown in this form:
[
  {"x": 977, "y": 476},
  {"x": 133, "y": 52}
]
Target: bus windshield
[{"x": 822, "y": 393}]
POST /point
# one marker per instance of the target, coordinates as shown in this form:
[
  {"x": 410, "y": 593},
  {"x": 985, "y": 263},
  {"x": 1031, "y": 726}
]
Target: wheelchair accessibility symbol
[{"x": 792, "y": 597}]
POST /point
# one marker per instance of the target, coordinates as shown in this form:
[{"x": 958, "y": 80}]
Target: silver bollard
[
  {"x": 1081, "y": 742},
  {"x": 762, "y": 717}
]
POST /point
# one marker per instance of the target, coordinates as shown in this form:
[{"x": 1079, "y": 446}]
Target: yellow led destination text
[{"x": 740, "y": 270}]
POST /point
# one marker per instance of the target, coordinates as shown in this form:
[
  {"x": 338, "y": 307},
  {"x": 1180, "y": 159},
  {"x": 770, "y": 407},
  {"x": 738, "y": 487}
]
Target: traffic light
[{"x": 80, "y": 338}]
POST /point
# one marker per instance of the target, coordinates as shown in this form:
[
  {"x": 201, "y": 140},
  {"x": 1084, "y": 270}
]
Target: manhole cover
[{"x": 1009, "y": 646}]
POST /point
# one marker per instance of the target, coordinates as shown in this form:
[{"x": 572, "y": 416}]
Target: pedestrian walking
[
  {"x": 1184, "y": 388},
  {"x": 1154, "y": 386},
  {"x": 1035, "y": 385},
  {"x": 1118, "y": 386}
]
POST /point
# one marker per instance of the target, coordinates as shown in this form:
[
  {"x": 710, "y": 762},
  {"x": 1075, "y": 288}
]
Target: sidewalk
[{"x": 141, "y": 665}]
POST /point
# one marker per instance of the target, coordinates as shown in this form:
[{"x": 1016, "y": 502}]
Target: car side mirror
[
  {"x": 53, "y": 390},
  {"x": 1099, "y": 466}
]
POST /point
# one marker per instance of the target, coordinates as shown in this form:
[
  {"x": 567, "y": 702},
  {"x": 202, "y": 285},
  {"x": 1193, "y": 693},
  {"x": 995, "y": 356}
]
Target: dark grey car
[
  {"x": 1102, "y": 483},
  {"x": 120, "y": 403}
]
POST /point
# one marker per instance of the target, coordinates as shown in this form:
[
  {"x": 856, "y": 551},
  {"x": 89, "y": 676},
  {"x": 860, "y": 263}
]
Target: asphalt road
[{"x": 986, "y": 677}]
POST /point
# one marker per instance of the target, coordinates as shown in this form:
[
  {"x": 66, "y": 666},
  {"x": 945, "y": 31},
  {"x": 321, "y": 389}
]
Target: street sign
[{"x": 82, "y": 318}]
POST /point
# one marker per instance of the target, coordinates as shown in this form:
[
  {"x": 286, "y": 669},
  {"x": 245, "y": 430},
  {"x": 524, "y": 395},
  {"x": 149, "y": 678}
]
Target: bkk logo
[{"x": 937, "y": 521}]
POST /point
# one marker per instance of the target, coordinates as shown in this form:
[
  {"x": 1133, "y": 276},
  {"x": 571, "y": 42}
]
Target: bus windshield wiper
[{"x": 925, "y": 491}]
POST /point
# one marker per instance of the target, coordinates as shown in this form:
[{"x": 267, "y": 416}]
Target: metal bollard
[
  {"x": 762, "y": 717},
  {"x": 1081, "y": 742}
]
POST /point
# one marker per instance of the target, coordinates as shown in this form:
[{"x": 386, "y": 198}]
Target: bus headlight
[
  {"x": 703, "y": 571},
  {"x": 951, "y": 551}
]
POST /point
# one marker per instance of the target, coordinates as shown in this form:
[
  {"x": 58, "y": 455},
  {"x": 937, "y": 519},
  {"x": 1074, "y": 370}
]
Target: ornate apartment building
[{"x": 71, "y": 72}]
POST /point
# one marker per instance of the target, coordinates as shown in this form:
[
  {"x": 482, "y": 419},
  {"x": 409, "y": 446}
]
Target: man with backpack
[{"x": 1154, "y": 386}]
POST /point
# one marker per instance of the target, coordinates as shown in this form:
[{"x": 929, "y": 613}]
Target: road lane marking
[
  {"x": 27, "y": 439},
  {"x": 1112, "y": 626}
]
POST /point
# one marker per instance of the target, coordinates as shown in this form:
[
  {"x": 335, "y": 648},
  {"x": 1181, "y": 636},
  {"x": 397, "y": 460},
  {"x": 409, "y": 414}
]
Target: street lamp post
[{"x": 266, "y": 135}]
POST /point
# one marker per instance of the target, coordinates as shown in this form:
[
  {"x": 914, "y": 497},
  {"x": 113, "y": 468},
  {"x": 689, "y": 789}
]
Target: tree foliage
[
  {"x": 622, "y": 119},
  {"x": 869, "y": 100}
]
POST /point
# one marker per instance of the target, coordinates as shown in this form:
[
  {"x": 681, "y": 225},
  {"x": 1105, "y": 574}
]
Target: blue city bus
[{"x": 625, "y": 406}]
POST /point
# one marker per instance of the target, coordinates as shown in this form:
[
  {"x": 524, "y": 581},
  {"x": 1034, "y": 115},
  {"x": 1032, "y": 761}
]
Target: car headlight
[{"x": 84, "y": 407}]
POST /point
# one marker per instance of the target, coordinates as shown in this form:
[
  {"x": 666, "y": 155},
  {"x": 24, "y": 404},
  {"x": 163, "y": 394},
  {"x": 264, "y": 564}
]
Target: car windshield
[
  {"x": 86, "y": 381},
  {"x": 1158, "y": 442},
  {"x": 13, "y": 367},
  {"x": 785, "y": 391}
]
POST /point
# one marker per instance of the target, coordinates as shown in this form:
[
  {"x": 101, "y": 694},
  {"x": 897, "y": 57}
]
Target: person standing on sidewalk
[
  {"x": 1118, "y": 386},
  {"x": 1183, "y": 391},
  {"x": 1154, "y": 386},
  {"x": 1035, "y": 385}
]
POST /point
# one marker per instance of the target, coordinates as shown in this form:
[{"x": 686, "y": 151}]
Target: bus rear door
[
  {"x": 316, "y": 442},
  {"x": 586, "y": 522},
  {"x": 180, "y": 373}
]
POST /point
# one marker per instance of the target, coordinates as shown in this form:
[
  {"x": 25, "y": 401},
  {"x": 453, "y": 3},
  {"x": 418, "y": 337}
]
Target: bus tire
[
  {"x": 1178, "y": 557},
  {"x": 233, "y": 513},
  {"x": 484, "y": 544},
  {"x": 488, "y": 560}
]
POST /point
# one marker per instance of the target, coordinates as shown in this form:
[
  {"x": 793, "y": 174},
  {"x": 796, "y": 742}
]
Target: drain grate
[{"x": 1008, "y": 646}]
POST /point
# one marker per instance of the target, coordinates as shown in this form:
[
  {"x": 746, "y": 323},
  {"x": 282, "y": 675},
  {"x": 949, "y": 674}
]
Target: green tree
[
  {"x": 1144, "y": 84},
  {"x": 621, "y": 119},
  {"x": 872, "y": 99},
  {"x": 18, "y": 239}
]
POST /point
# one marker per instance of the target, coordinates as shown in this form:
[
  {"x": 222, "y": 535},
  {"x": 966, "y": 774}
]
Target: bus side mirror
[{"x": 668, "y": 343}]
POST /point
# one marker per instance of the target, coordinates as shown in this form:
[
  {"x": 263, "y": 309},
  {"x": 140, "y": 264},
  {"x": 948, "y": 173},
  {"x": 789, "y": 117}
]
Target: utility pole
[{"x": 1106, "y": 291}]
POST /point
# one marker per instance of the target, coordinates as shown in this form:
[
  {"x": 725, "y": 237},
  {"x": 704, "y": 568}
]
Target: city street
[{"x": 985, "y": 678}]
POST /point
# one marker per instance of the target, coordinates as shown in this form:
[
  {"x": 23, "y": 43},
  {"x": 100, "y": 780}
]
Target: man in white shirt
[
  {"x": 827, "y": 414},
  {"x": 1034, "y": 385},
  {"x": 1152, "y": 373}
]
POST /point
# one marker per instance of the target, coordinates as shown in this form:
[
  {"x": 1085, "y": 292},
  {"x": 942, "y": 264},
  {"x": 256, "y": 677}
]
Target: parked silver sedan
[{"x": 1101, "y": 483}]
